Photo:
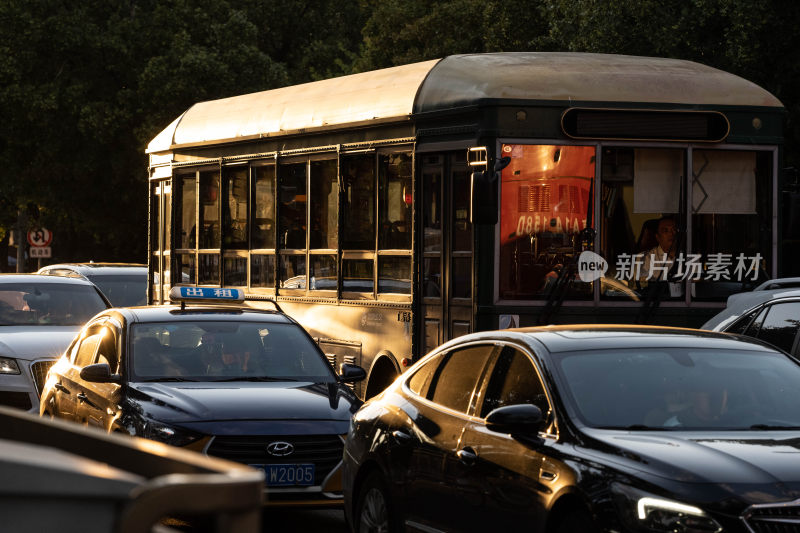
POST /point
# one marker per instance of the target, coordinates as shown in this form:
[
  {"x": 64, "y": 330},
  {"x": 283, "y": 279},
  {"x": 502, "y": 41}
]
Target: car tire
[
  {"x": 577, "y": 520},
  {"x": 374, "y": 512}
]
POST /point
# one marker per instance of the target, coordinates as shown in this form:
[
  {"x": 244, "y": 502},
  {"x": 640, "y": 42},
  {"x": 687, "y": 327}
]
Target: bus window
[
  {"x": 186, "y": 211},
  {"x": 292, "y": 227},
  {"x": 209, "y": 211},
  {"x": 324, "y": 206},
  {"x": 262, "y": 271},
  {"x": 208, "y": 269},
  {"x": 729, "y": 189},
  {"x": 323, "y": 272},
  {"x": 640, "y": 187},
  {"x": 293, "y": 271},
  {"x": 395, "y": 195},
  {"x": 234, "y": 209},
  {"x": 264, "y": 208},
  {"x": 324, "y": 223},
  {"x": 357, "y": 276},
  {"x": 358, "y": 203},
  {"x": 394, "y": 274},
  {"x": 545, "y": 194},
  {"x": 234, "y": 271}
]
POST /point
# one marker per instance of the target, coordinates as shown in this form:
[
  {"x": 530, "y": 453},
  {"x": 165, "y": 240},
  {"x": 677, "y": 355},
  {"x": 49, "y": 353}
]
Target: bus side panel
[{"x": 356, "y": 334}]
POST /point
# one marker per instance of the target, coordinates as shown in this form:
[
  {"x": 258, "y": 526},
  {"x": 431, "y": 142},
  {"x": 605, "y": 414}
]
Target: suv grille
[
  {"x": 780, "y": 518},
  {"x": 325, "y": 451},
  {"x": 39, "y": 372}
]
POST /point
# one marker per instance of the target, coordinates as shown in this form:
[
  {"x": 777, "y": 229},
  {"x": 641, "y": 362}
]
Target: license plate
[{"x": 288, "y": 475}]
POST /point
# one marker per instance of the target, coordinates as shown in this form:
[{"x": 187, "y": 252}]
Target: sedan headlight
[
  {"x": 172, "y": 435},
  {"x": 8, "y": 366},
  {"x": 647, "y": 512}
]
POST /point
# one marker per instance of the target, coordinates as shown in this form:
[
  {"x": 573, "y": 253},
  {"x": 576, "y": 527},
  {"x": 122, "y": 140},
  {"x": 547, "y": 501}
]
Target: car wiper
[
  {"x": 772, "y": 426},
  {"x": 254, "y": 378},
  {"x": 170, "y": 379},
  {"x": 635, "y": 427}
]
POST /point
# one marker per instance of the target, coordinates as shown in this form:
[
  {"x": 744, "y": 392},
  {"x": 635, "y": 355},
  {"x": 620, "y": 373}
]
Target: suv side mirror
[
  {"x": 351, "y": 373},
  {"x": 99, "y": 373},
  {"x": 523, "y": 419}
]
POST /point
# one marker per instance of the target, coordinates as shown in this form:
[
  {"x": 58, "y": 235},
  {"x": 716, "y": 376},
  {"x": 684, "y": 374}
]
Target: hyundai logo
[{"x": 279, "y": 448}]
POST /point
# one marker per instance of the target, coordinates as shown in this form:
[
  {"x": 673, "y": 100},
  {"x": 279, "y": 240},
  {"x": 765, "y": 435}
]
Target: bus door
[
  {"x": 446, "y": 266},
  {"x": 160, "y": 228}
]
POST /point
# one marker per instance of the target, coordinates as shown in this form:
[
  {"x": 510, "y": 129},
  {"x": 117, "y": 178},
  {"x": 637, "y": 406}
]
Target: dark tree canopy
[{"x": 87, "y": 84}]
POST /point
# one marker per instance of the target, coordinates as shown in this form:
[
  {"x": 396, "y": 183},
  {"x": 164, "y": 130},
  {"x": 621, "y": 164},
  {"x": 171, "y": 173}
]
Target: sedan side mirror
[
  {"x": 522, "y": 419},
  {"x": 351, "y": 373},
  {"x": 99, "y": 373}
]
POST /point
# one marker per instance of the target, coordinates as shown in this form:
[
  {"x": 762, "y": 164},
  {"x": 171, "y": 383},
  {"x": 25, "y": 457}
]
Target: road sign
[
  {"x": 40, "y": 237},
  {"x": 40, "y": 251}
]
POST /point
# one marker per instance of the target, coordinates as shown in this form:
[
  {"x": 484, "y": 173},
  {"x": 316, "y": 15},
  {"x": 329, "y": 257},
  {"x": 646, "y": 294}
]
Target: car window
[
  {"x": 55, "y": 304},
  {"x": 755, "y": 325},
  {"x": 122, "y": 290},
  {"x": 680, "y": 388},
  {"x": 780, "y": 325},
  {"x": 216, "y": 350},
  {"x": 457, "y": 376},
  {"x": 421, "y": 379},
  {"x": 87, "y": 350},
  {"x": 108, "y": 349},
  {"x": 514, "y": 381},
  {"x": 740, "y": 325}
]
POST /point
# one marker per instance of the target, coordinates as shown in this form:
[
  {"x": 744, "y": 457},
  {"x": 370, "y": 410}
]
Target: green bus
[{"x": 390, "y": 211}]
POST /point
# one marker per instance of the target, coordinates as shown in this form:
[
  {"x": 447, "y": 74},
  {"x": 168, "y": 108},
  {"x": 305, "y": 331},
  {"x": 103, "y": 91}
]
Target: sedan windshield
[
  {"x": 54, "y": 304},
  {"x": 682, "y": 388},
  {"x": 225, "y": 351}
]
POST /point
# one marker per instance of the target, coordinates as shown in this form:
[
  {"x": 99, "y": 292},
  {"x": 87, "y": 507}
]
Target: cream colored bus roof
[{"x": 397, "y": 93}]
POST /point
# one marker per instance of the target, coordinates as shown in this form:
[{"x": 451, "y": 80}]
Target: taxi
[{"x": 242, "y": 384}]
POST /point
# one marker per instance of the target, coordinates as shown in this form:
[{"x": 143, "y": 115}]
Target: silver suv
[{"x": 39, "y": 317}]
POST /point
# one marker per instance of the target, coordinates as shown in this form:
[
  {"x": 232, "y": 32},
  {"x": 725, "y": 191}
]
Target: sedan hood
[
  {"x": 35, "y": 342},
  {"x": 753, "y": 457},
  {"x": 204, "y": 402}
]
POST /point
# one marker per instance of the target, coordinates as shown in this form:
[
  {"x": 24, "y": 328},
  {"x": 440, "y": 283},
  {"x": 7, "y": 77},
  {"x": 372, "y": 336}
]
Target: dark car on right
[
  {"x": 770, "y": 312},
  {"x": 576, "y": 429}
]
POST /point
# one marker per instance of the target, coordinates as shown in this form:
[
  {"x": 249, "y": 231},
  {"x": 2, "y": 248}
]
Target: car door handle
[
  {"x": 84, "y": 399},
  {"x": 467, "y": 456},
  {"x": 59, "y": 387},
  {"x": 402, "y": 438}
]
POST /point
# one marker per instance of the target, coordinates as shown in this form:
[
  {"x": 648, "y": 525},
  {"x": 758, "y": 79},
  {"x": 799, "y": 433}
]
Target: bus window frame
[
  {"x": 687, "y": 301},
  {"x": 275, "y": 160}
]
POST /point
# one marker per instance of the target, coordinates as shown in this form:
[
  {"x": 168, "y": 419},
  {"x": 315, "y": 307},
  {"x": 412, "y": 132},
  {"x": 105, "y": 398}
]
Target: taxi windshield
[
  {"x": 682, "y": 388},
  {"x": 54, "y": 304},
  {"x": 225, "y": 351}
]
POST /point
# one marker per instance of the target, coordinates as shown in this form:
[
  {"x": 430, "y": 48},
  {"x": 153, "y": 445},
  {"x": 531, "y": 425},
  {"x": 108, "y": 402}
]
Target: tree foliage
[{"x": 86, "y": 86}]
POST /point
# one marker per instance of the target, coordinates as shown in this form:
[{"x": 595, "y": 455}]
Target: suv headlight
[
  {"x": 647, "y": 512},
  {"x": 172, "y": 435},
  {"x": 8, "y": 366}
]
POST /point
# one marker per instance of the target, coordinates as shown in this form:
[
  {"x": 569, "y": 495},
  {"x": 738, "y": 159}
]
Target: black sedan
[
  {"x": 245, "y": 385},
  {"x": 581, "y": 429}
]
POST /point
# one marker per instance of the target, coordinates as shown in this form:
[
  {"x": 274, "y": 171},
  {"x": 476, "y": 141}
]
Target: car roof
[
  {"x": 740, "y": 303},
  {"x": 95, "y": 269},
  {"x": 569, "y": 338},
  {"x": 174, "y": 313},
  {"x": 41, "y": 278}
]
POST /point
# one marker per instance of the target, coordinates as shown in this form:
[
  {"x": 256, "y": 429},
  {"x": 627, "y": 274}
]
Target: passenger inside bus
[{"x": 658, "y": 259}]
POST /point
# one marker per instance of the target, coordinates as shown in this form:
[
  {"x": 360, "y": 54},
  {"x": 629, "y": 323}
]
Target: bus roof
[{"x": 398, "y": 93}]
